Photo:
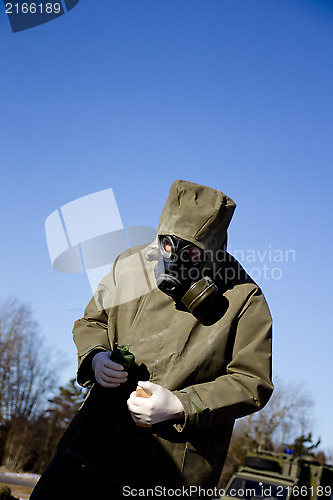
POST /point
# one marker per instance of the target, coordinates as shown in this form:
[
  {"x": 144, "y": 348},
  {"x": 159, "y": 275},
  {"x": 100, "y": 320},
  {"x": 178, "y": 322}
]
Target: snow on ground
[{"x": 22, "y": 475}]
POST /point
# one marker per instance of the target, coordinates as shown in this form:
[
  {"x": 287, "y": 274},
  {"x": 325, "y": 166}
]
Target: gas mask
[{"x": 179, "y": 273}]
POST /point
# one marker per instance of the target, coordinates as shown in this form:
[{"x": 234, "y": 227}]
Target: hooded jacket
[{"x": 219, "y": 367}]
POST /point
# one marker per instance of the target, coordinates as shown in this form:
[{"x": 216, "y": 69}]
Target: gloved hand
[
  {"x": 160, "y": 406},
  {"x": 107, "y": 372}
]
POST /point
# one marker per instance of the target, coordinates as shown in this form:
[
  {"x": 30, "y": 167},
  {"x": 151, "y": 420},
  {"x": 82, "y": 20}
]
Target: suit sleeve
[
  {"x": 90, "y": 335},
  {"x": 246, "y": 386},
  {"x": 96, "y": 330}
]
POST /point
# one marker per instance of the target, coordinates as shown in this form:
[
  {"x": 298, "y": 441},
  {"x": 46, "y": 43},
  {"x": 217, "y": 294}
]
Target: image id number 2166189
[
  {"x": 33, "y": 8},
  {"x": 304, "y": 491}
]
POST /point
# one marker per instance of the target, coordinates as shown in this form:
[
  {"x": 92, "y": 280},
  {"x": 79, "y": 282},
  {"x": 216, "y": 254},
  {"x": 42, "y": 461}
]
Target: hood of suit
[{"x": 198, "y": 214}]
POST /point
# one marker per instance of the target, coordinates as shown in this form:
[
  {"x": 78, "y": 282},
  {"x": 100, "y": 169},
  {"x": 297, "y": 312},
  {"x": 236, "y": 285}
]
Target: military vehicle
[{"x": 280, "y": 476}]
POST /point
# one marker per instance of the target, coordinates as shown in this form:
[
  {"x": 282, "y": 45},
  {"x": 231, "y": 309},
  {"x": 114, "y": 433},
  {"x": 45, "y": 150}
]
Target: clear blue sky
[{"x": 133, "y": 94}]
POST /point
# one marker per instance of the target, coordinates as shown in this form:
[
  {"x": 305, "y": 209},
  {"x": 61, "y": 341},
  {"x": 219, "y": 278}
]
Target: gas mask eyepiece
[{"x": 173, "y": 248}]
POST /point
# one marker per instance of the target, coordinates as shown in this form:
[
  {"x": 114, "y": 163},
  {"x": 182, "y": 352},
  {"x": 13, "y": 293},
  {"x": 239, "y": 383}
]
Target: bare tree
[
  {"x": 27, "y": 376},
  {"x": 25, "y": 364},
  {"x": 286, "y": 417}
]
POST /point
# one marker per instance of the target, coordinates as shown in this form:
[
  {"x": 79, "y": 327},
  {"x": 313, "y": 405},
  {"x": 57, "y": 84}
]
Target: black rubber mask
[
  {"x": 179, "y": 264},
  {"x": 179, "y": 274}
]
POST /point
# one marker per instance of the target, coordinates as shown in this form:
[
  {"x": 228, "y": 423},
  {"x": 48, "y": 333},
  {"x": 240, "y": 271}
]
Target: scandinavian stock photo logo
[{"x": 87, "y": 234}]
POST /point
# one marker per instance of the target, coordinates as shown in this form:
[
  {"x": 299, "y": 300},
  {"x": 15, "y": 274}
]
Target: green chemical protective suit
[{"x": 216, "y": 360}]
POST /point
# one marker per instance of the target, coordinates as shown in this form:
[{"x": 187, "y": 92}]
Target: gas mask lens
[
  {"x": 176, "y": 250},
  {"x": 190, "y": 255},
  {"x": 166, "y": 247}
]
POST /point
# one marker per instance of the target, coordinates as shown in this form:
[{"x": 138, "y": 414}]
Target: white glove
[
  {"x": 107, "y": 372},
  {"x": 160, "y": 406}
]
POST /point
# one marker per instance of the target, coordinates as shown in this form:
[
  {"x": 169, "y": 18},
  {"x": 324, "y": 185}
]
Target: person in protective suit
[{"x": 200, "y": 331}]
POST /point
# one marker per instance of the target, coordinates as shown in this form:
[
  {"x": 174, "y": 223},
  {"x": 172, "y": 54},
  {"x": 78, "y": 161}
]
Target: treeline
[
  {"x": 285, "y": 423},
  {"x": 33, "y": 417}
]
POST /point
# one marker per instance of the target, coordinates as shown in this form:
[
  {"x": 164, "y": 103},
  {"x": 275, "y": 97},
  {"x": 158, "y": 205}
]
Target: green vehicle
[{"x": 280, "y": 476}]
